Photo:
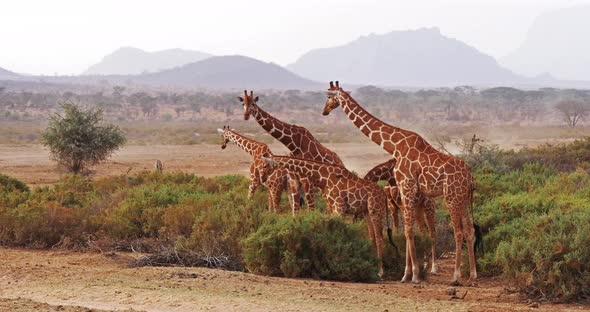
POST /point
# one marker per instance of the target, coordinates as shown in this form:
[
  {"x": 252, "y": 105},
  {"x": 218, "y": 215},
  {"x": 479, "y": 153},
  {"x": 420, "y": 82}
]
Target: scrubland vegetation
[
  {"x": 532, "y": 206},
  {"x": 150, "y": 116}
]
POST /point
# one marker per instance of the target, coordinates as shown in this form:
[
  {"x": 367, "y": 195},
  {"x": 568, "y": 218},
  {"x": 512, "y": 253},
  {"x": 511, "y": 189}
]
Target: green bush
[
  {"x": 80, "y": 138},
  {"x": 311, "y": 245},
  {"x": 553, "y": 265},
  {"x": 8, "y": 184}
]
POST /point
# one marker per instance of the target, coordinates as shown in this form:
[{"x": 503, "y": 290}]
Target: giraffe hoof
[
  {"x": 416, "y": 281},
  {"x": 455, "y": 283},
  {"x": 406, "y": 279},
  {"x": 471, "y": 283}
]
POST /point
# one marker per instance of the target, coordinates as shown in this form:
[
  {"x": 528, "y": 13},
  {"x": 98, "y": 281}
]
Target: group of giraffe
[{"x": 416, "y": 174}]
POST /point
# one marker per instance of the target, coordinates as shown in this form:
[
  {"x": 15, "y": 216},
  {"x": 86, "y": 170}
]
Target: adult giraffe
[
  {"x": 300, "y": 142},
  {"x": 420, "y": 170}
]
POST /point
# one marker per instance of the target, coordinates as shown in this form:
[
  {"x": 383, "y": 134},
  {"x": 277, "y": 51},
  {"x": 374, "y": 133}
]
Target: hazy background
[{"x": 66, "y": 36}]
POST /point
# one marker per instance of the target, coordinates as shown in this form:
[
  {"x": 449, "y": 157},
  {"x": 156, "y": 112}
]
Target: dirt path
[
  {"x": 45, "y": 280},
  {"x": 32, "y": 164}
]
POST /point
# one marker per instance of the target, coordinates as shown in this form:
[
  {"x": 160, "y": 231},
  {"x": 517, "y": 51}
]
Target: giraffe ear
[
  {"x": 220, "y": 131},
  {"x": 256, "y": 99},
  {"x": 267, "y": 160},
  {"x": 241, "y": 99}
]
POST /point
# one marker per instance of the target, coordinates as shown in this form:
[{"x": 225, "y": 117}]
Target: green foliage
[
  {"x": 553, "y": 265},
  {"x": 8, "y": 184},
  {"x": 80, "y": 139},
  {"x": 311, "y": 245}
]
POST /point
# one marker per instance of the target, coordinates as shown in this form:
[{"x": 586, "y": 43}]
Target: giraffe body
[
  {"x": 420, "y": 170},
  {"x": 276, "y": 182},
  {"x": 425, "y": 215},
  {"x": 344, "y": 192},
  {"x": 300, "y": 142}
]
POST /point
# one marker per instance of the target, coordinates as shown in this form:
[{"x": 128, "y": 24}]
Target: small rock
[{"x": 534, "y": 305}]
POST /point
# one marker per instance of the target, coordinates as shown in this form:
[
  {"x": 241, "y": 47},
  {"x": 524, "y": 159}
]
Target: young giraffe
[
  {"x": 300, "y": 142},
  {"x": 275, "y": 182},
  {"x": 426, "y": 209},
  {"x": 344, "y": 192},
  {"x": 420, "y": 169}
]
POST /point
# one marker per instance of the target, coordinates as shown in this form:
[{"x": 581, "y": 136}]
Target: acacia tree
[
  {"x": 80, "y": 138},
  {"x": 573, "y": 111}
]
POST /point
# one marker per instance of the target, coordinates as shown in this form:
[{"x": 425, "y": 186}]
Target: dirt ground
[
  {"x": 72, "y": 281},
  {"x": 32, "y": 163}
]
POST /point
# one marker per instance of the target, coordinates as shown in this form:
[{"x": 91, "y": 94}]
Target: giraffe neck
[
  {"x": 382, "y": 172},
  {"x": 372, "y": 127},
  {"x": 278, "y": 129},
  {"x": 247, "y": 144}
]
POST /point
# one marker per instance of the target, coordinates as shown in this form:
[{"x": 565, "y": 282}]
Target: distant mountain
[
  {"x": 557, "y": 43},
  {"x": 420, "y": 57},
  {"x": 228, "y": 72},
  {"x": 133, "y": 61},
  {"x": 8, "y": 75}
]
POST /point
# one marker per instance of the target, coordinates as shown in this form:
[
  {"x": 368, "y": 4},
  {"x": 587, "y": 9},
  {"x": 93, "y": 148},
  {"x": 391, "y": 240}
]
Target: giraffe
[
  {"x": 426, "y": 209},
  {"x": 420, "y": 169},
  {"x": 300, "y": 142},
  {"x": 275, "y": 182},
  {"x": 344, "y": 192}
]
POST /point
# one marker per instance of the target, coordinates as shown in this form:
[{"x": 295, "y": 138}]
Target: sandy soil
[
  {"x": 70, "y": 281},
  {"x": 32, "y": 163}
]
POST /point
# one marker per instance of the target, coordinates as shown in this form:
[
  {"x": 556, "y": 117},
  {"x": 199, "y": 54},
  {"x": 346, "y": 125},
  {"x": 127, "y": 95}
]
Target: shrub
[
  {"x": 553, "y": 265},
  {"x": 79, "y": 138},
  {"x": 311, "y": 245},
  {"x": 8, "y": 184}
]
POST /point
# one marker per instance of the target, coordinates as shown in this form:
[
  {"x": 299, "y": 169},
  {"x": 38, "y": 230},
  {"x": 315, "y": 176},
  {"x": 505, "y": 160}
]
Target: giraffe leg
[
  {"x": 370, "y": 229},
  {"x": 456, "y": 219},
  {"x": 377, "y": 224},
  {"x": 254, "y": 180},
  {"x": 422, "y": 226},
  {"x": 274, "y": 193},
  {"x": 430, "y": 214},
  {"x": 270, "y": 201},
  {"x": 409, "y": 192},
  {"x": 294, "y": 188},
  {"x": 308, "y": 190},
  {"x": 469, "y": 235}
]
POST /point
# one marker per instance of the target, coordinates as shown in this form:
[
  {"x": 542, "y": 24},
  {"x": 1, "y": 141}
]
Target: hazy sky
[{"x": 66, "y": 36}]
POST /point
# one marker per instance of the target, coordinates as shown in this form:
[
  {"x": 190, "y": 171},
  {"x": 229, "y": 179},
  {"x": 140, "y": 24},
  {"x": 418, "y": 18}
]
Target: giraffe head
[
  {"x": 225, "y": 135},
  {"x": 333, "y": 98},
  {"x": 248, "y": 101}
]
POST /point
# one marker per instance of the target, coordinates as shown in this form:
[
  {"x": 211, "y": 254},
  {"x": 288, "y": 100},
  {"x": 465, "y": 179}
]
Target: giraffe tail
[{"x": 389, "y": 227}]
